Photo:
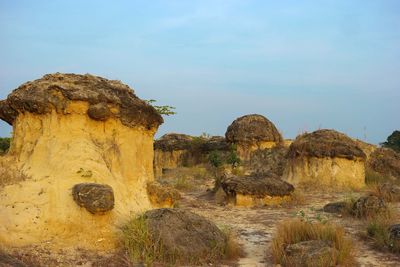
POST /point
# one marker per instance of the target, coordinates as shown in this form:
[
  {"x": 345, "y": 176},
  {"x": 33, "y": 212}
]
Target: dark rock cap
[
  {"x": 173, "y": 142},
  {"x": 325, "y": 143},
  {"x": 256, "y": 186},
  {"x": 95, "y": 198},
  {"x": 54, "y": 91},
  {"x": 252, "y": 128}
]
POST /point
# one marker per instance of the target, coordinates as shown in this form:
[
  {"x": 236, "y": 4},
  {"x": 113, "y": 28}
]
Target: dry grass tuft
[
  {"x": 233, "y": 249},
  {"x": 295, "y": 231},
  {"x": 296, "y": 198},
  {"x": 378, "y": 231}
]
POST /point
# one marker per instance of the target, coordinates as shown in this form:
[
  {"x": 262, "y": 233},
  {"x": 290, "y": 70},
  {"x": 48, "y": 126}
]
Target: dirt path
[{"x": 255, "y": 227}]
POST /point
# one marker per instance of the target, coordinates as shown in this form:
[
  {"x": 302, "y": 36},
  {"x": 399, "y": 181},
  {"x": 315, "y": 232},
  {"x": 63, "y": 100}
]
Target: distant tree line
[{"x": 393, "y": 141}]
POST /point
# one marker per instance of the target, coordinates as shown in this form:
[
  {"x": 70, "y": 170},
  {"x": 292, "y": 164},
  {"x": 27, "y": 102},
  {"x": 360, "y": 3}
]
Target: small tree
[
  {"x": 162, "y": 110},
  {"x": 393, "y": 141},
  {"x": 215, "y": 159}
]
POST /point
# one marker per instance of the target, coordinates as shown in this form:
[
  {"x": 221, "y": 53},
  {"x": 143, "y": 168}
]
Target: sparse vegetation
[
  {"x": 373, "y": 178},
  {"x": 297, "y": 230},
  {"x": 162, "y": 110},
  {"x": 378, "y": 230},
  {"x": 215, "y": 159}
]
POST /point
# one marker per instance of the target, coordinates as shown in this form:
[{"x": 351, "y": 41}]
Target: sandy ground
[{"x": 255, "y": 226}]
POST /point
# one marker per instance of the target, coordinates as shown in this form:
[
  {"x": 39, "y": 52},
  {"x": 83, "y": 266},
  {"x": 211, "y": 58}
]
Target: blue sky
[{"x": 303, "y": 64}]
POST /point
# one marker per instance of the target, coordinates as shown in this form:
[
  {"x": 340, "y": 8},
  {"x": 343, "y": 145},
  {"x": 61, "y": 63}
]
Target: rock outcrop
[
  {"x": 185, "y": 235},
  {"x": 252, "y": 132},
  {"x": 253, "y": 190},
  {"x": 71, "y": 129},
  {"x": 385, "y": 161},
  {"x": 162, "y": 196},
  {"x": 369, "y": 206},
  {"x": 325, "y": 157}
]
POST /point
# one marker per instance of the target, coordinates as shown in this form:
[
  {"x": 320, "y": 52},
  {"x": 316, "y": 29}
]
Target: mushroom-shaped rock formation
[
  {"x": 252, "y": 132},
  {"x": 325, "y": 157},
  {"x": 254, "y": 191},
  {"x": 180, "y": 150},
  {"x": 171, "y": 151},
  {"x": 71, "y": 129}
]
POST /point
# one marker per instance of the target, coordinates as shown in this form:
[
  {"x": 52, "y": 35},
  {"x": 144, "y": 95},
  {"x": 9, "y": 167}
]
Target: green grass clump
[
  {"x": 140, "y": 245},
  {"x": 295, "y": 231}
]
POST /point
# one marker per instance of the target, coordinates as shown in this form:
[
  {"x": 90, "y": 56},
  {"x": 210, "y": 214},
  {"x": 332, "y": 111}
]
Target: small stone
[{"x": 334, "y": 207}]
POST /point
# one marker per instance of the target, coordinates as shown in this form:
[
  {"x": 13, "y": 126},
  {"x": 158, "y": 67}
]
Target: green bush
[
  {"x": 215, "y": 159},
  {"x": 4, "y": 144}
]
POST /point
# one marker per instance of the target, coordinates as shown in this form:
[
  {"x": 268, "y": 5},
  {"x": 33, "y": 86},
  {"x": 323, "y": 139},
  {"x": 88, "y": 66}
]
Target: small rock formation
[
  {"x": 253, "y": 190},
  {"x": 171, "y": 151},
  {"x": 316, "y": 253},
  {"x": 325, "y": 157},
  {"x": 162, "y": 196},
  {"x": 385, "y": 161},
  {"x": 185, "y": 235},
  {"x": 95, "y": 198},
  {"x": 69, "y": 131},
  {"x": 335, "y": 207},
  {"x": 368, "y": 206},
  {"x": 174, "y": 150},
  {"x": 268, "y": 161},
  {"x": 252, "y": 132}
]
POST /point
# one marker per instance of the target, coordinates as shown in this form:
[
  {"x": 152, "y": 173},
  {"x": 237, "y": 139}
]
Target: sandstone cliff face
[
  {"x": 72, "y": 129},
  {"x": 252, "y": 132},
  {"x": 325, "y": 157}
]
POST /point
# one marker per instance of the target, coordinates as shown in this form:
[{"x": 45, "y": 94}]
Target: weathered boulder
[
  {"x": 162, "y": 196},
  {"x": 369, "y": 206},
  {"x": 254, "y": 190},
  {"x": 252, "y": 132},
  {"x": 335, "y": 207},
  {"x": 185, "y": 235},
  {"x": 95, "y": 198},
  {"x": 316, "y": 253},
  {"x": 71, "y": 129},
  {"x": 385, "y": 161},
  {"x": 325, "y": 157}
]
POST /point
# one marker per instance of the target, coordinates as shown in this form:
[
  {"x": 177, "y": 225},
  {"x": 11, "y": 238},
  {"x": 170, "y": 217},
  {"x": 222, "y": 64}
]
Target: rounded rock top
[
  {"x": 325, "y": 143},
  {"x": 55, "y": 91},
  {"x": 252, "y": 128}
]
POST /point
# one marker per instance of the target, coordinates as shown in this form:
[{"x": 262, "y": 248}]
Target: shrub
[
  {"x": 233, "y": 158},
  {"x": 215, "y": 159},
  {"x": 296, "y": 230}
]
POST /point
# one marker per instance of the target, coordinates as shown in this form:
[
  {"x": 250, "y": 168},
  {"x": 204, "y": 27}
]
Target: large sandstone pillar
[{"x": 68, "y": 130}]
